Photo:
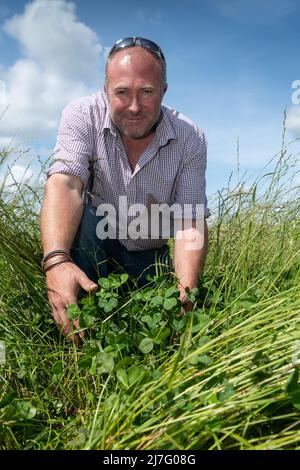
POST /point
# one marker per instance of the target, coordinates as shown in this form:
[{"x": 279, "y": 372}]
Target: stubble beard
[{"x": 136, "y": 130}]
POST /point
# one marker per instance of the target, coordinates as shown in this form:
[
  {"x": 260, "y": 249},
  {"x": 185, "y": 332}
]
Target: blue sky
[{"x": 231, "y": 66}]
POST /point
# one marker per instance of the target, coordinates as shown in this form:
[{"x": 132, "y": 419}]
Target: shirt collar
[{"x": 165, "y": 130}]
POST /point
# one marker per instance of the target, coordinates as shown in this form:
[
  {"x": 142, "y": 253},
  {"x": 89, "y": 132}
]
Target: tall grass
[{"x": 229, "y": 383}]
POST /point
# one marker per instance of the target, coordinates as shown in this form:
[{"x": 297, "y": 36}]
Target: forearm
[
  {"x": 60, "y": 217},
  {"x": 61, "y": 212},
  {"x": 189, "y": 263}
]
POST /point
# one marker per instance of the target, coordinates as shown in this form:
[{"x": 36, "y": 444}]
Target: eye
[
  {"x": 148, "y": 92},
  {"x": 121, "y": 92}
]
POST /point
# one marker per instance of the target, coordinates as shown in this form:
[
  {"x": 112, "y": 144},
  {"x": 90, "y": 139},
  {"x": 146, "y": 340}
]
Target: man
[{"x": 118, "y": 148}]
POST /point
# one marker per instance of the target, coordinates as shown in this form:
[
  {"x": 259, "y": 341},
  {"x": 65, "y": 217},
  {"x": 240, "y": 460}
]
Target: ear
[{"x": 165, "y": 87}]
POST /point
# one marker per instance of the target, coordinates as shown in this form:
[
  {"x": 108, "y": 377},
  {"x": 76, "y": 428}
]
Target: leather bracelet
[
  {"x": 50, "y": 254},
  {"x": 48, "y": 268},
  {"x": 54, "y": 254},
  {"x": 55, "y": 258}
]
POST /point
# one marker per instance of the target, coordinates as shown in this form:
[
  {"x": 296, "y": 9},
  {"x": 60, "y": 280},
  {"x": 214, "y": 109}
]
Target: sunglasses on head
[{"x": 131, "y": 42}]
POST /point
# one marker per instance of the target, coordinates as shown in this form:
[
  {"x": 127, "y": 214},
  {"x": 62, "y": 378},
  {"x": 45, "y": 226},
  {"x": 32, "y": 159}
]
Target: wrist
[
  {"x": 55, "y": 264},
  {"x": 54, "y": 258},
  {"x": 58, "y": 251}
]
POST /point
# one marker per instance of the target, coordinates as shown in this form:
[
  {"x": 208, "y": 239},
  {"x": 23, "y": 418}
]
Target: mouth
[{"x": 135, "y": 119}]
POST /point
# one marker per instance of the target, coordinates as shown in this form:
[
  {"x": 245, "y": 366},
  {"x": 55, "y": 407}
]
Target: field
[{"x": 224, "y": 376}]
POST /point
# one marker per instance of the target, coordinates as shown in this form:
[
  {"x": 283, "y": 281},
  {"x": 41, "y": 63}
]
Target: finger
[
  {"x": 57, "y": 319},
  {"x": 81, "y": 332},
  {"x": 71, "y": 325},
  {"x": 74, "y": 338},
  {"x": 67, "y": 331},
  {"x": 56, "y": 313},
  {"x": 65, "y": 326},
  {"x": 59, "y": 307},
  {"x": 86, "y": 283},
  {"x": 75, "y": 323},
  {"x": 63, "y": 322}
]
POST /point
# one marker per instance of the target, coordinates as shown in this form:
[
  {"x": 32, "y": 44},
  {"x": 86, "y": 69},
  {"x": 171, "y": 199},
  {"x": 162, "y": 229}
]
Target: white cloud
[
  {"x": 3, "y": 94},
  {"x": 51, "y": 36},
  {"x": 293, "y": 121},
  {"x": 254, "y": 11},
  {"x": 5, "y": 142},
  {"x": 24, "y": 165},
  {"x": 17, "y": 175},
  {"x": 60, "y": 62}
]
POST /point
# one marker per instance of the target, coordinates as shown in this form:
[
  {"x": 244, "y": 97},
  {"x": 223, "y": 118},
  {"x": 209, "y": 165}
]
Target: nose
[{"x": 134, "y": 106}]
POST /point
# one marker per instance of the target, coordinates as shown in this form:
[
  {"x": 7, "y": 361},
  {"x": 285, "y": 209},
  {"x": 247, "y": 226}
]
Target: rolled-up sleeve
[
  {"x": 73, "y": 147},
  {"x": 190, "y": 190}
]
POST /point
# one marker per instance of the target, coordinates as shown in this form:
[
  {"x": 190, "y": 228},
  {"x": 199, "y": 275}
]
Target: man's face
[{"x": 135, "y": 90}]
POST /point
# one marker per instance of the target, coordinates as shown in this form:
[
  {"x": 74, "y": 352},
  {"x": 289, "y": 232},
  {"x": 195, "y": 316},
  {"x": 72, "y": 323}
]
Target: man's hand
[
  {"x": 188, "y": 262},
  {"x": 63, "y": 284},
  {"x": 186, "y": 305},
  {"x": 60, "y": 217}
]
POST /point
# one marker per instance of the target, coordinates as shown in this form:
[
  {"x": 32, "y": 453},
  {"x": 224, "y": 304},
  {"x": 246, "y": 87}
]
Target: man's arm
[
  {"x": 190, "y": 249},
  {"x": 60, "y": 217},
  {"x": 61, "y": 212}
]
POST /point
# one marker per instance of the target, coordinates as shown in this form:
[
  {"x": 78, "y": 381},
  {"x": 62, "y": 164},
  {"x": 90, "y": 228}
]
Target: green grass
[{"x": 223, "y": 377}]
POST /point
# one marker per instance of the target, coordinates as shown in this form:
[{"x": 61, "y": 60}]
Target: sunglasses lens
[
  {"x": 130, "y": 42},
  {"x": 122, "y": 43},
  {"x": 147, "y": 44}
]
